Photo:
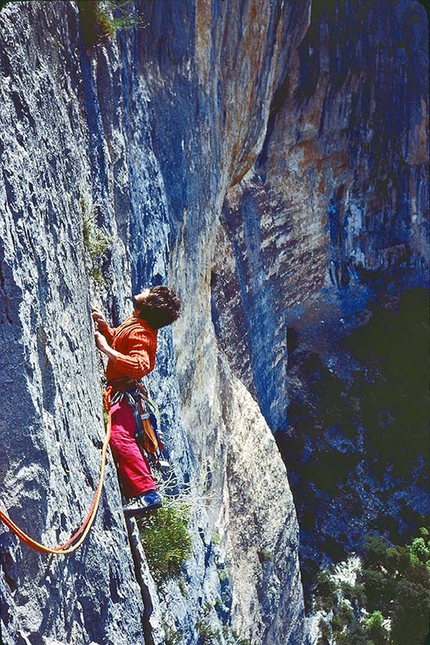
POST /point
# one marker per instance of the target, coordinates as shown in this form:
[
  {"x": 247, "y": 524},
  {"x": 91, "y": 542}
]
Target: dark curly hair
[{"x": 160, "y": 308}]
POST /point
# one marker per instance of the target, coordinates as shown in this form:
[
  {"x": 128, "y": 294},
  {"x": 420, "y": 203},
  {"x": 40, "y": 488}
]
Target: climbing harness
[
  {"x": 79, "y": 536},
  {"x": 146, "y": 415}
]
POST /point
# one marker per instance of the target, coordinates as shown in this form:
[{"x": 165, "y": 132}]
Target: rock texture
[
  {"x": 332, "y": 216},
  {"x": 337, "y": 201},
  {"x": 250, "y": 162},
  {"x": 357, "y": 445},
  {"x": 52, "y": 423},
  {"x": 115, "y": 163}
]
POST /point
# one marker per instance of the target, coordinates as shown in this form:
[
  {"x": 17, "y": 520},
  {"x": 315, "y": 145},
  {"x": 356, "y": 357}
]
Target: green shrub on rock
[{"x": 166, "y": 540}]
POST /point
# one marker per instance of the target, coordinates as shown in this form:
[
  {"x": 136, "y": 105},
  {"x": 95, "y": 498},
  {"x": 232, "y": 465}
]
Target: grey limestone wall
[{"x": 133, "y": 143}]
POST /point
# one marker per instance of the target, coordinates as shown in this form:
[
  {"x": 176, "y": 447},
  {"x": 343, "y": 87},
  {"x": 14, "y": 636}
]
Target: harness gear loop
[{"x": 85, "y": 527}]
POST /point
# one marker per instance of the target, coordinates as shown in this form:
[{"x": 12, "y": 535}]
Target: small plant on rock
[
  {"x": 101, "y": 19},
  {"x": 171, "y": 635},
  {"x": 96, "y": 243},
  {"x": 114, "y": 15},
  {"x": 167, "y": 540},
  {"x": 264, "y": 555},
  {"x": 208, "y": 635}
]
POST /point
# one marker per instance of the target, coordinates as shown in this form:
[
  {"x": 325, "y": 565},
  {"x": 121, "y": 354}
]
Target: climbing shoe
[{"x": 145, "y": 502}]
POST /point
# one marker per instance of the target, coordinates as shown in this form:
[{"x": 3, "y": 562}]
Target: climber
[{"x": 131, "y": 350}]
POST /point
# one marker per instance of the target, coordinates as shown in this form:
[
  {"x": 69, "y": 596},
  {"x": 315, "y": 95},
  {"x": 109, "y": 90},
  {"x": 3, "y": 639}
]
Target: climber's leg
[{"x": 133, "y": 469}]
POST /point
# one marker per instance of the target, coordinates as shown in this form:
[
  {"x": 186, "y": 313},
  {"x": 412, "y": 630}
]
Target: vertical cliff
[
  {"x": 115, "y": 161},
  {"x": 268, "y": 160},
  {"x": 327, "y": 232},
  {"x": 337, "y": 201}
]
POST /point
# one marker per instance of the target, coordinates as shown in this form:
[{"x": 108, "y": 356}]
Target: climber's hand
[{"x": 99, "y": 319}]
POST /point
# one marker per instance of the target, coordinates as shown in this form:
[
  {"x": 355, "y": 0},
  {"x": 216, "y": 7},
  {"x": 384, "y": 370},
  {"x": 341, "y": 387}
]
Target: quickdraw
[{"x": 79, "y": 536}]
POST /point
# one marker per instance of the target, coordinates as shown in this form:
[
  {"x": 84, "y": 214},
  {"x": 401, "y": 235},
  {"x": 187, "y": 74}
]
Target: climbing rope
[{"x": 82, "y": 532}]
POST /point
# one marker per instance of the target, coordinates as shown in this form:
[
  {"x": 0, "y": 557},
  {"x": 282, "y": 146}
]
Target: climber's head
[{"x": 159, "y": 306}]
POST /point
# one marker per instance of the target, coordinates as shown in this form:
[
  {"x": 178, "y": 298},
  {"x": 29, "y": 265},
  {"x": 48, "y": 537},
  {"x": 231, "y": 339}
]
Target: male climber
[{"x": 131, "y": 350}]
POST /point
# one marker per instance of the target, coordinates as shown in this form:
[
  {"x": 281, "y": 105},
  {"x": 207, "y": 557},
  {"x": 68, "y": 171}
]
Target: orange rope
[{"x": 85, "y": 527}]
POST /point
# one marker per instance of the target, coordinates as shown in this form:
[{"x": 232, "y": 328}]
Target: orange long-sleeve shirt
[{"x": 136, "y": 343}]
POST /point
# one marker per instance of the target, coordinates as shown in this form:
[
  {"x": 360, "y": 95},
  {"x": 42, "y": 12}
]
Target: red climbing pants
[{"x": 133, "y": 469}]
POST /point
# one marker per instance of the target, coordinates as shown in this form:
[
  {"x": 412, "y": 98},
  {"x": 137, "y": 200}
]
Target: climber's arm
[
  {"x": 138, "y": 362},
  {"x": 104, "y": 346}
]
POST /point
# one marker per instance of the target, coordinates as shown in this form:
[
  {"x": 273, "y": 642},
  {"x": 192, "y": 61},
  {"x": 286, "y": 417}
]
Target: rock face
[
  {"x": 115, "y": 163},
  {"x": 225, "y": 148},
  {"x": 334, "y": 215},
  {"x": 357, "y": 444},
  {"x": 337, "y": 201}
]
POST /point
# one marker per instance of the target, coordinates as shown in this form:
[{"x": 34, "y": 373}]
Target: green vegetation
[
  {"x": 264, "y": 555},
  {"x": 419, "y": 549},
  {"x": 96, "y": 243},
  {"x": 208, "y": 634},
  {"x": 115, "y": 15},
  {"x": 102, "y": 19},
  {"x": 325, "y": 592},
  {"x": 167, "y": 540},
  {"x": 390, "y": 602},
  {"x": 222, "y": 574},
  {"x": 183, "y": 588},
  {"x": 237, "y": 640},
  {"x": 171, "y": 636},
  {"x": 105, "y": 418},
  {"x": 374, "y": 626}
]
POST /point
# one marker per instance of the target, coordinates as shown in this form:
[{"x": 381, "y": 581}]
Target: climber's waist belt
[
  {"x": 122, "y": 384},
  {"x": 129, "y": 390},
  {"x": 135, "y": 394}
]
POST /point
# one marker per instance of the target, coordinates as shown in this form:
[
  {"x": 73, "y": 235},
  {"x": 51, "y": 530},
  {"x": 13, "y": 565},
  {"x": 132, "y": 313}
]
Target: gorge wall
[
  {"x": 244, "y": 152},
  {"x": 337, "y": 201},
  {"x": 322, "y": 236},
  {"x": 133, "y": 143}
]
